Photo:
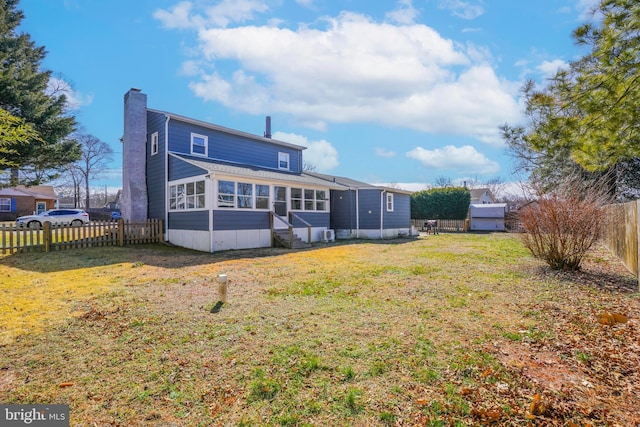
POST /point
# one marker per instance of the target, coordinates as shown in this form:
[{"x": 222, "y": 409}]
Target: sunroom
[{"x": 214, "y": 206}]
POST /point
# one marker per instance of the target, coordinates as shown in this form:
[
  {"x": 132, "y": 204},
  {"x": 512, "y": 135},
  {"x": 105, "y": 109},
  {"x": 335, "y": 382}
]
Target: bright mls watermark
[{"x": 34, "y": 415}]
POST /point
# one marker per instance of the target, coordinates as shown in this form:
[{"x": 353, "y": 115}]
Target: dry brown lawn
[{"x": 443, "y": 330}]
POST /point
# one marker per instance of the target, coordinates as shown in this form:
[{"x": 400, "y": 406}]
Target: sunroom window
[
  {"x": 262, "y": 196},
  {"x": 189, "y": 195},
  {"x": 296, "y": 198},
  {"x": 245, "y": 195},
  {"x": 226, "y": 194}
]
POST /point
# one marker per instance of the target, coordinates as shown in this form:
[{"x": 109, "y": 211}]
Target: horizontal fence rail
[
  {"x": 442, "y": 225},
  {"x": 54, "y": 237}
]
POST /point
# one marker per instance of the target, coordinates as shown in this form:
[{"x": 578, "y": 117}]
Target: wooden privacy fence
[
  {"x": 96, "y": 233},
  {"x": 621, "y": 233}
]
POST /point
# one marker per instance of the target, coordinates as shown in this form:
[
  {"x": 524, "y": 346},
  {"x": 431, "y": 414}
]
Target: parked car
[
  {"x": 54, "y": 216},
  {"x": 115, "y": 215}
]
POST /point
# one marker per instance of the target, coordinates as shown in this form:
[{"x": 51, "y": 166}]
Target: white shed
[{"x": 487, "y": 216}]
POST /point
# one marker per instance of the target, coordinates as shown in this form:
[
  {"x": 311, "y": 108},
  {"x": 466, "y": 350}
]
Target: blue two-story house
[{"x": 217, "y": 188}]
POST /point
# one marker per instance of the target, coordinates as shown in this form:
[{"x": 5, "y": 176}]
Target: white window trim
[
  {"x": 154, "y": 143},
  {"x": 206, "y": 144},
  {"x": 5, "y": 200},
  {"x": 254, "y": 196},
  {"x": 281, "y": 157},
  {"x": 315, "y": 200},
  {"x": 390, "y": 202},
  {"x": 185, "y": 181}
]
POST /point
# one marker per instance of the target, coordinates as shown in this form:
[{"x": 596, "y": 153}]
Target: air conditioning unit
[{"x": 328, "y": 235}]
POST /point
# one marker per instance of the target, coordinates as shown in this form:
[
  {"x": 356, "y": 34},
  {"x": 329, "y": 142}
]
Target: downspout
[
  {"x": 166, "y": 176},
  {"x": 357, "y": 213},
  {"x": 382, "y": 213}
]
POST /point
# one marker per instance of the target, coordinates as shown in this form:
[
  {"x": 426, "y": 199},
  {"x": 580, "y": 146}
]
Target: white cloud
[
  {"x": 350, "y": 68},
  {"x": 305, "y": 3},
  {"x": 225, "y": 12},
  {"x": 381, "y": 152},
  {"x": 75, "y": 100},
  {"x": 549, "y": 68},
  {"x": 404, "y": 13},
  {"x": 320, "y": 154},
  {"x": 463, "y": 9},
  {"x": 231, "y": 11},
  {"x": 407, "y": 186},
  {"x": 464, "y": 159},
  {"x": 190, "y": 68},
  {"x": 585, "y": 8},
  {"x": 177, "y": 17}
]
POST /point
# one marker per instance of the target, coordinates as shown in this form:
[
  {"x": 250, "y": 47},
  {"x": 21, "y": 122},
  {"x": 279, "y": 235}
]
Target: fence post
[
  {"x": 46, "y": 236},
  {"x": 121, "y": 232}
]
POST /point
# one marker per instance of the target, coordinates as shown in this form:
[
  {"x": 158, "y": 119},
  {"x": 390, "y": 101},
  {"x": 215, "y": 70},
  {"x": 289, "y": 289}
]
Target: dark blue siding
[
  {"x": 179, "y": 169},
  {"x": 401, "y": 215},
  {"x": 232, "y": 148},
  {"x": 189, "y": 220},
  {"x": 343, "y": 210},
  {"x": 316, "y": 219},
  {"x": 240, "y": 220},
  {"x": 369, "y": 200},
  {"x": 155, "y": 172}
]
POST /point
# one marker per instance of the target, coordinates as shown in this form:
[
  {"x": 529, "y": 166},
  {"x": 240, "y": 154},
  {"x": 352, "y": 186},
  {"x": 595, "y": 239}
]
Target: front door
[{"x": 280, "y": 204}]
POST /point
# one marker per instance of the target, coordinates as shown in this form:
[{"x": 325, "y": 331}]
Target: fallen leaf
[
  {"x": 65, "y": 384},
  {"x": 610, "y": 319},
  {"x": 466, "y": 391},
  {"x": 620, "y": 318},
  {"x": 487, "y": 414},
  {"x": 538, "y": 406},
  {"x": 422, "y": 401}
]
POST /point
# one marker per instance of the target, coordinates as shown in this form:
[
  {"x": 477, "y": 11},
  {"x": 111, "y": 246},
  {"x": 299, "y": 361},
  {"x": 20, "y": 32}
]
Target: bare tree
[
  {"x": 443, "y": 182},
  {"x": 96, "y": 155},
  {"x": 497, "y": 187},
  {"x": 309, "y": 167},
  {"x": 564, "y": 223},
  {"x": 69, "y": 185}
]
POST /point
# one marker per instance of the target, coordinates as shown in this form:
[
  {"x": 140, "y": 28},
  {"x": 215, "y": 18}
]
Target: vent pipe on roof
[{"x": 267, "y": 133}]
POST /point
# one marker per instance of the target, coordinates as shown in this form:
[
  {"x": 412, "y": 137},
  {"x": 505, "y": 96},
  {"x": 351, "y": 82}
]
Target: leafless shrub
[{"x": 562, "y": 224}]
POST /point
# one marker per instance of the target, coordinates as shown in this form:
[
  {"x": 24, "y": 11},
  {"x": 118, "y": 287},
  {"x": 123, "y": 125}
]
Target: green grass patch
[{"x": 413, "y": 332}]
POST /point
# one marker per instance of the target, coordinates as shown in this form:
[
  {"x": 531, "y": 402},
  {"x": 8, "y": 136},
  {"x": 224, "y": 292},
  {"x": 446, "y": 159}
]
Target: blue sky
[{"x": 399, "y": 92}]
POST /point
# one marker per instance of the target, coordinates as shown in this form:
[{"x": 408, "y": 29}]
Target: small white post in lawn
[{"x": 222, "y": 287}]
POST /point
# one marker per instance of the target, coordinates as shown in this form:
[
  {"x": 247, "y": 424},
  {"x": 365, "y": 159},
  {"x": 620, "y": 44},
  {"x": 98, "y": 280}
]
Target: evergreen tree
[
  {"x": 12, "y": 132},
  {"x": 440, "y": 203},
  {"x": 585, "y": 122},
  {"x": 23, "y": 94}
]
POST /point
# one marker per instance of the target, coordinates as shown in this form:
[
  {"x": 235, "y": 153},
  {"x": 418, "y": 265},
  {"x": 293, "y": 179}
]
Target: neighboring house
[
  {"x": 20, "y": 200},
  {"x": 487, "y": 216},
  {"x": 217, "y": 188},
  {"x": 481, "y": 195}
]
